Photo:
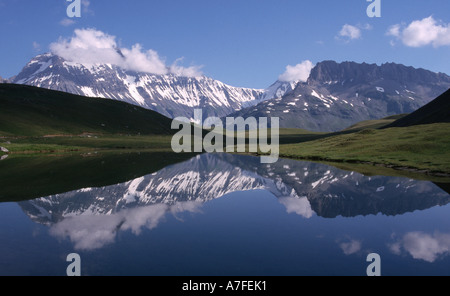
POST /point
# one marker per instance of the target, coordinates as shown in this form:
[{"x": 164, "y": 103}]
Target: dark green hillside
[
  {"x": 423, "y": 148},
  {"x": 26, "y": 177},
  {"x": 374, "y": 124},
  {"x": 32, "y": 111},
  {"x": 418, "y": 142}
]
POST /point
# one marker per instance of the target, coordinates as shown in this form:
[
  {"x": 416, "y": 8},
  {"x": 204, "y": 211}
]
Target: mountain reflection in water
[{"x": 92, "y": 217}]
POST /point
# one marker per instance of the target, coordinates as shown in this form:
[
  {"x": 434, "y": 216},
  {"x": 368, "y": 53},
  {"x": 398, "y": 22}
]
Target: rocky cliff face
[{"x": 338, "y": 95}]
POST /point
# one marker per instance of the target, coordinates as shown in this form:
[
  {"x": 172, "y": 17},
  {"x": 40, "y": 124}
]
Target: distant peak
[
  {"x": 43, "y": 56},
  {"x": 329, "y": 70}
]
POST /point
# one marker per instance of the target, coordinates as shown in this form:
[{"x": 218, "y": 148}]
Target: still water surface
[{"x": 222, "y": 214}]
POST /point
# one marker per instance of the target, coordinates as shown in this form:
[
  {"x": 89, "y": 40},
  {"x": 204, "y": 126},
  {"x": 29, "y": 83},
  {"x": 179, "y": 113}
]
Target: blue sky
[{"x": 240, "y": 42}]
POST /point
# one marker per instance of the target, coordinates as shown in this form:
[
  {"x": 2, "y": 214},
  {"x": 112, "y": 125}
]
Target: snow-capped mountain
[
  {"x": 278, "y": 89},
  {"x": 337, "y": 95},
  {"x": 169, "y": 95},
  {"x": 200, "y": 179},
  {"x": 91, "y": 217},
  {"x": 303, "y": 187}
]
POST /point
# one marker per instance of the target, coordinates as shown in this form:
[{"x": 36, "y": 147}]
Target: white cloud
[
  {"x": 183, "y": 71},
  {"x": 396, "y": 248},
  {"x": 299, "y": 206},
  {"x": 144, "y": 61},
  {"x": 36, "y": 46},
  {"x": 423, "y": 246},
  {"x": 87, "y": 232},
  {"x": 423, "y": 32},
  {"x": 90, "y": 46},
  {"x": 67, "y": 22},
  {"x": 351, "y": 247},
  {"x": 86, "y": 6},
  {"x": 350, "y": 32},
  {"x": 367, "y": 27},
  {"x": 394, "y": 31},
  {"x": 90, "y": 231},
  {"x": 299, "y": 72}
]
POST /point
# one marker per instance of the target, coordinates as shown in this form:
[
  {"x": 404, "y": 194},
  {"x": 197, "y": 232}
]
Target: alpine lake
[{"x": 166, "y": 214}]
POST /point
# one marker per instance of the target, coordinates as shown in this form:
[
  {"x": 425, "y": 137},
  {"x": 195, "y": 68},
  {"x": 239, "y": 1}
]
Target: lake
[{"x": 224, "y": 214}]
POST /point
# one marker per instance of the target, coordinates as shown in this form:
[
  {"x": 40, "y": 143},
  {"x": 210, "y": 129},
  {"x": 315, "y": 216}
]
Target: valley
[
  {"x": 251, "y": 139},
  {"x": 37, "y": 120}
]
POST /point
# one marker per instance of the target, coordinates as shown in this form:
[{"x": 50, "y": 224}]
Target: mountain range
[
  {"x": 335, "y": 96},
  {"x": 169, "y": 95},
  {"x": 303, "y": 188},
  {"x": 338, "y": 95}
]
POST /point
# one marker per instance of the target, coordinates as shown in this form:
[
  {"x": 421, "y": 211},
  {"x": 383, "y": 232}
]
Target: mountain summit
[
  {"x": 170, "y": 95},
  {"x": 337, "y": 95}
]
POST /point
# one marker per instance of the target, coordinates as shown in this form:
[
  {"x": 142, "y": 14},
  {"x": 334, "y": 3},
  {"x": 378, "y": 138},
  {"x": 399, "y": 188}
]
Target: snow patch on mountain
[{"x": 168, "y": 94}]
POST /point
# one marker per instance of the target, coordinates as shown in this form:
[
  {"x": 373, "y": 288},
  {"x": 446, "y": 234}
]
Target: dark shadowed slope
[
  {"x": 436, "y": 111},
  {"x": 32, "y": 111}
]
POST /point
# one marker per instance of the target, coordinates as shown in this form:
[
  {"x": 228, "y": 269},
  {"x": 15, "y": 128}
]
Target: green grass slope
[
  {"x": 25, "y": 177},
  {"x": 414, "y": 143},
  {"x": 421, "y": 147},
  {"x": 32, "y": 111},
  {"x": 374, "y": 124}
]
